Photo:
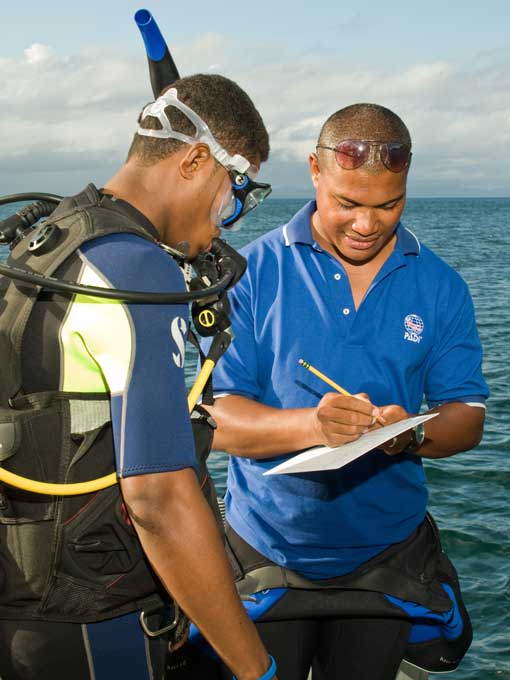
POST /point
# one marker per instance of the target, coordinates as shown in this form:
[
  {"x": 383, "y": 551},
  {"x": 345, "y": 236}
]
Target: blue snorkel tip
[
  {"x": 162, "y": 69},
  {"x": 155, "y": 45}
]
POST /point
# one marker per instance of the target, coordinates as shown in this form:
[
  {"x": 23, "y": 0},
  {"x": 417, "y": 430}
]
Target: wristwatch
[{"x": 417, "y": 438}]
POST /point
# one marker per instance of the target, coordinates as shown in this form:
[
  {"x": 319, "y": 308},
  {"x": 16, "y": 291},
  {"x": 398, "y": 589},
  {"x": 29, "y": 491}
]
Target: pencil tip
[{"x": 301, "y": 362}]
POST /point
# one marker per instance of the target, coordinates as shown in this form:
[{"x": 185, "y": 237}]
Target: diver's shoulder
[{"x": 130, "y": 260}]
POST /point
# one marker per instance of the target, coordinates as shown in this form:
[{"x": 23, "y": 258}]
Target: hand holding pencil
[
  {"x": 340, "y": 389},
  {"x": 341, "y": 417},
  {"x": 341, "y": 421}
]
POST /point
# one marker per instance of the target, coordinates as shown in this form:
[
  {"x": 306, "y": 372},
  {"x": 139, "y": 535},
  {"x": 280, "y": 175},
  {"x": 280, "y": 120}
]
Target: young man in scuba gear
[
  {"x": 366, "y": 303},
  {"x": 93, "y": 380}
]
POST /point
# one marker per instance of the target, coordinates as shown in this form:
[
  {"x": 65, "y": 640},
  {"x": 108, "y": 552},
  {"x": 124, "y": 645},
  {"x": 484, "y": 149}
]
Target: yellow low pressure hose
[
  {"x": 199, "y": 385},
  {"x": 93, "y": 485}
]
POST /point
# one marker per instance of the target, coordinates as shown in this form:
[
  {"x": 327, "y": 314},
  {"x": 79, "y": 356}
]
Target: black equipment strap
[{"x": 407, "y": 570}]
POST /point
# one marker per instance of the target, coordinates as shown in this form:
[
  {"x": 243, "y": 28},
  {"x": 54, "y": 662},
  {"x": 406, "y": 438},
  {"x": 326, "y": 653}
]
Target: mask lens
[
  {"x": 255, "y": 198},
  {"x": 227, "y": 207},
  {"x": 352, "y": 153},
  {"x": 248, "y": 195},
  {"x": 395, "y": 156},
  {"x": 231, "y": 221}
]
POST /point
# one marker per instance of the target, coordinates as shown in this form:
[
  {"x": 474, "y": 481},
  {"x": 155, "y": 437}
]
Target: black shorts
[
  {"x": 45, "y": 650},
  {"x": 346, "y": 649}
]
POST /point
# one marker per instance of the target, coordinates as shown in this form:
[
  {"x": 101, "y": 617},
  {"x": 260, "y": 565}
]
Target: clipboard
[{"x": 325, "y": 458}]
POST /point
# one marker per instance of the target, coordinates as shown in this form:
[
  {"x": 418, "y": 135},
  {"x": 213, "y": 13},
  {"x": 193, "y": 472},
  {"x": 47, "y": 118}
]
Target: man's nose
[{"x": 365, "y": 222}]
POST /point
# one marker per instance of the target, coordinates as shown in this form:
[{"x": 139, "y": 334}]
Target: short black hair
[
  {"x": 364, "y": 121},
  {"x": 223, "y": 105}
]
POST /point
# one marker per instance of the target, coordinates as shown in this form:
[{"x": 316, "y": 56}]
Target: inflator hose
[{"x": 78, "y": 488}]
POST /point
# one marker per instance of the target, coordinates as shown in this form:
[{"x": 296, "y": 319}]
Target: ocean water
[{"x": 470, "y": 492}]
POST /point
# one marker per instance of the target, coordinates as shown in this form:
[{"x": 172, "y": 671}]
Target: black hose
[
  {"x": 33, "y": 196},
  {"x": 13, "y": 228},
  {"x": 140, "y": 297}
]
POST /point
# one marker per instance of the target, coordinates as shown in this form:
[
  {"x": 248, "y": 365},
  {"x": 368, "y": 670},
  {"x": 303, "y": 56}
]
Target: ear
[
  {"x": 315, "y": 171},
  {"x": 194, "y": 159}
]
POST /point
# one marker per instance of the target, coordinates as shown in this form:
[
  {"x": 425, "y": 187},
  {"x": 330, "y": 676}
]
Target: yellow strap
[{"x": 94, "y": 485}]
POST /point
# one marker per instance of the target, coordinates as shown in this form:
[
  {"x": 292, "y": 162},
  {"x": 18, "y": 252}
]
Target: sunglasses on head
[{"x": 353, "y": 153}]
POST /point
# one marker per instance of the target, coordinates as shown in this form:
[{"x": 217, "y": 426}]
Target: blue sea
[{"x": 470, "y": 492}]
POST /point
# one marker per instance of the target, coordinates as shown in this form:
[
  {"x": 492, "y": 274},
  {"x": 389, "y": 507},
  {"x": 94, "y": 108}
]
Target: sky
[{"x": 73, "y": 78}]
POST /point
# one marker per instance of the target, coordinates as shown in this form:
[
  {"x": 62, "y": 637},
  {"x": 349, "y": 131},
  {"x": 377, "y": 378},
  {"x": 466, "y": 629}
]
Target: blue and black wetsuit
[{"x": 134, "y": 355}]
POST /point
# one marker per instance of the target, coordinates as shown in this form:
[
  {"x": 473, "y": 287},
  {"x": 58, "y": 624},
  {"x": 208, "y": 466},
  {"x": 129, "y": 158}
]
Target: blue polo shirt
[{"x": 414, "y": 334}]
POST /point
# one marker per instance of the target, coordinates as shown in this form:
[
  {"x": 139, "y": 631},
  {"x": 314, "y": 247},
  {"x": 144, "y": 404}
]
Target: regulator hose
[{"x": 136, "y": 297}]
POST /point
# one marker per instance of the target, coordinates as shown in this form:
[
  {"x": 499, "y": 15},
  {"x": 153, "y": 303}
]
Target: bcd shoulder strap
[{"x": 80, "y": 218}]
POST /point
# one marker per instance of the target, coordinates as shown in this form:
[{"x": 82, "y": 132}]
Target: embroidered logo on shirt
[
  {"x": 414, "y": 328},
  {"x": 179, "y": 331}
]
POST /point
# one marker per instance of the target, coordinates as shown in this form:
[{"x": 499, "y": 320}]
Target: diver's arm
[
  {"x": 458, "y": 427},
  {"x": 253, "y": 430},
  {"x": 179, "y": 535}
]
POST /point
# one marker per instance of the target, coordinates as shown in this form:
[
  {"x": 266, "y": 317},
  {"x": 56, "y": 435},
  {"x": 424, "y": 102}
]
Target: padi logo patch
[{"x": 414, "y": 326}]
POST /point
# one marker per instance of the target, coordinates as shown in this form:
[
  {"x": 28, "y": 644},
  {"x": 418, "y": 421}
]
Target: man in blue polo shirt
[{"x": 345, "y": 286}]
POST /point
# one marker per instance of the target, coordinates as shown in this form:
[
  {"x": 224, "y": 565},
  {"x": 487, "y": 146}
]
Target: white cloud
[
  {"x": 79, "y": 110},
  {"x": 38, "y": 53}
]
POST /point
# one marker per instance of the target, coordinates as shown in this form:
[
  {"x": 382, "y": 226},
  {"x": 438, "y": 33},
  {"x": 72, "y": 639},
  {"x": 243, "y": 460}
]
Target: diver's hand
[
  {"x": 392, "y": 414},
  {"x": 338, "y": 419}
]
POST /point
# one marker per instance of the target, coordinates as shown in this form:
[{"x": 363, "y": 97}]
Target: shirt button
[
  {"x": 338, "y": 277},
  {"x": 346, "y": 310}
]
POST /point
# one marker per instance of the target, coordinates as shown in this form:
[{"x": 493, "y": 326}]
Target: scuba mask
[{"x": 246, "y": 192}]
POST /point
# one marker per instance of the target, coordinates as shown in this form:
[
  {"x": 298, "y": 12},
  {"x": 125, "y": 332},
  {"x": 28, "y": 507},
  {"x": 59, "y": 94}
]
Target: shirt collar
[{"x": 298, "y": 230}]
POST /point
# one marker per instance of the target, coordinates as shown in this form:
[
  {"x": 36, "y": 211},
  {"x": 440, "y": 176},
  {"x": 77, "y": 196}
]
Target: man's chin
[{"x": 357, "y": 257}]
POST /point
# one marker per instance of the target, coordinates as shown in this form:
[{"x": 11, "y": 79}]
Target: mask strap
[{"x": 203, "y": 133}]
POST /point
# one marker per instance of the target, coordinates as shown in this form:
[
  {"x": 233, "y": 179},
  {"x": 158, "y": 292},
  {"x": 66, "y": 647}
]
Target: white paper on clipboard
[{"x": 325, "y": 458}]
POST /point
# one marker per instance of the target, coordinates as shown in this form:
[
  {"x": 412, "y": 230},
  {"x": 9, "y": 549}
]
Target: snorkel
[{"x": 162, "y": 69}]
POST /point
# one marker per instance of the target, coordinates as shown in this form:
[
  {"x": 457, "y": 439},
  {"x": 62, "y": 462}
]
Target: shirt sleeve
[
  {"x": 140, "y": 350},
  {"x": 455, "y": 365}
]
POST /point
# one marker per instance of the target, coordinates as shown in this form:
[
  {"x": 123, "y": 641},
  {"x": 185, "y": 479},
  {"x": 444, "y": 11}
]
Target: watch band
[{"x": 417, "y": 438}]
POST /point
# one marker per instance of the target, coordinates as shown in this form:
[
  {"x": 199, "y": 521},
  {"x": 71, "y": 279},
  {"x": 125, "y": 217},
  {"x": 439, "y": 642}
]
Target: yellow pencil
[{"x": 332, "y": 384}]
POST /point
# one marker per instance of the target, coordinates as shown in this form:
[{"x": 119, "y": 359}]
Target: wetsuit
[{"x": 134, "y": 354}]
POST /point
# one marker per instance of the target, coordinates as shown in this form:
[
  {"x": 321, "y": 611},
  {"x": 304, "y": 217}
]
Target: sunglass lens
[
  {"x": 395, "y": 156},
  {"x": 352, "y": 153}
]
